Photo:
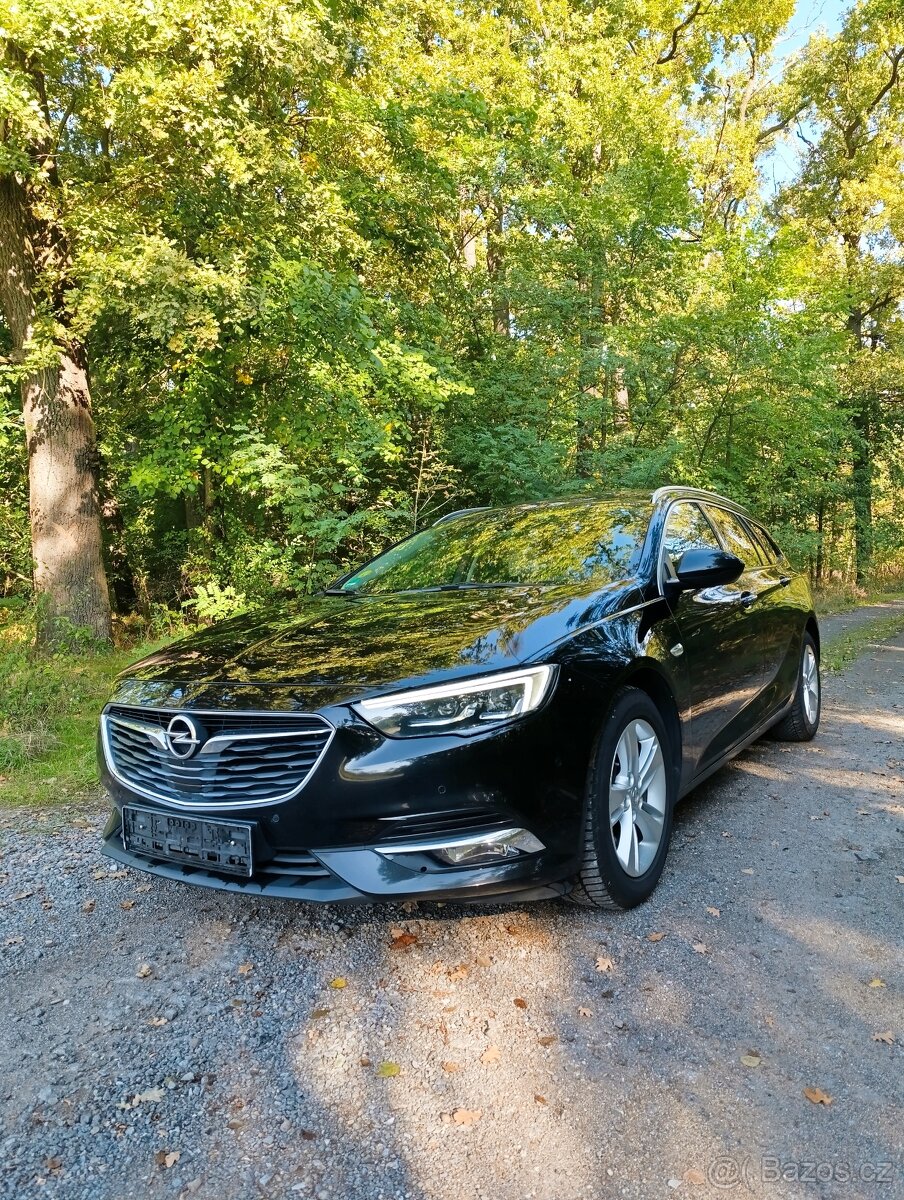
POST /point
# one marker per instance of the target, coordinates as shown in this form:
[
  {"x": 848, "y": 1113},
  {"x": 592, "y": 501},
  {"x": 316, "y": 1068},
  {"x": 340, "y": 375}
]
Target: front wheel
[
  {"x": 630, "y": 797},
  {"x": 802, "y": 719}
]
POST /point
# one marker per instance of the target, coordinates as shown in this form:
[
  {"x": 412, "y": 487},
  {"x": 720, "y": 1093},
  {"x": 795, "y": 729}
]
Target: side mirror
[{"x": 706, "y": 568}]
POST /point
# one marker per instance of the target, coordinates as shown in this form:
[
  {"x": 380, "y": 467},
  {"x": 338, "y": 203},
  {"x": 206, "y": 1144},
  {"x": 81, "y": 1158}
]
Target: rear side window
[
  {"x": 687, "y": 529},
  {"x": 738, "y": 539},
  {"x": 768, "y": 541}
]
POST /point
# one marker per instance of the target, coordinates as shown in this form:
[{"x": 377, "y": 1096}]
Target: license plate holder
[{"x": 209, "y": 844}]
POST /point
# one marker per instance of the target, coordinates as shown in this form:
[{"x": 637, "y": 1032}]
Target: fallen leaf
[
  {"x": 467, "y": 1116},
  {"x": 900, "y": 878},
  {"x": 167, "y": 1158},
  {"x": 54, "y": 1163},
  {"x": 456, "y": 973},
  {"x": 151, "y": 1096},
  {"x": 540, "y": 1099},
  {"x": 692, "y": 1175},
  {"x": 338, "y": 983},
  {"x": 451, "y": 1067},
  {"x": 547, "y": 1040},
  {"x": 492, "y": 1054},
  {"x": 320, "y": 1012},
  {"x": 409, "y": 906},
  {"x": 127, "y": 904},
  {"x": 89, "y": 906},
  {"x": 144, "y": 887},
  {"x": 877, "y": 982},
  {"x": 584, "y": 1012},
  {"x": 817, "y": 1096},
  {"x": 246, "y": 968},
  {"x": 519, "y": 1003},
  {"x": 144, "y": 971},
  {"x": 156, "y": 1022},
  {"x": 402, "y": 940},
  {"x": 364, "y": 1061},
  {"x": 484, "y": 960},
  {"x": 751, "y": 1060},
  {"x": 887, "y": 1037},
  {"x": 605, "y": 964},
  {"x": 747, "y": 871},
  {"x": 701, "y": 948},
  {"x": 308, "y": 1135},
  {"x": 713, "y": 912},
  {"x": 23, "y": 895},
  {"x": 388, "y": 1070},
  {"x": 655, "y": 937}
]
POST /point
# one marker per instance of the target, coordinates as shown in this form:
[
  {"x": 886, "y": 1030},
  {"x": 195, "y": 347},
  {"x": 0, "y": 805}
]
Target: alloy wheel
[
  {"x": 637, "y": 797},
  {"x": 809, "y": 682}
]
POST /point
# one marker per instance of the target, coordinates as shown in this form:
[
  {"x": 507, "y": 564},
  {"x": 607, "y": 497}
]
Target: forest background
[{"x": 281, "y": 283}]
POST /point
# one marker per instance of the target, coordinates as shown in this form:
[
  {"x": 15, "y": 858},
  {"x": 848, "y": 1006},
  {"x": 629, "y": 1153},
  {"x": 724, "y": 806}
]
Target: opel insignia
[{"x": 510, "y": 702}]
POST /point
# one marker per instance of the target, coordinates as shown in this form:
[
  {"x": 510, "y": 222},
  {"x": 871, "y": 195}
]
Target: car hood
[{"x": 332, "y": 648}]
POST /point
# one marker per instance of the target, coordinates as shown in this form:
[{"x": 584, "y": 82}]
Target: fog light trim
[{"x": 495, "y": 846}]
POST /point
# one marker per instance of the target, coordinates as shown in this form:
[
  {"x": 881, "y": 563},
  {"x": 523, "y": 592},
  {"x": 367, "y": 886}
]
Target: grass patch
[
  {"x": 48, "y": 714},
  {"x": 839, "y": 652},
  {"x": 842, "y": 598}
]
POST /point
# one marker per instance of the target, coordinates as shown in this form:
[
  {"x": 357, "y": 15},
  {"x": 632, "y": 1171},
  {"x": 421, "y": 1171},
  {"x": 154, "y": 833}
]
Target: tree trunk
[
  {"x": 862, "y": 469},
  {"x": 862, "y": 480},
  {"x": 69, "y": 578},
  {"x": 502, "y": 317}
]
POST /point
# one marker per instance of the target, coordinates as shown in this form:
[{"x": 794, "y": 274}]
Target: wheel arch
[
  {"x": 812, "y": 628},
  {"x": 648, "y": 679}
]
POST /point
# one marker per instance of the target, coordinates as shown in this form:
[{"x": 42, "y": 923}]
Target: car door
[
  {"x": 719, "y": 641},
  {"x": 766, "y": 581},
  {"x": 783, "y": 621}
]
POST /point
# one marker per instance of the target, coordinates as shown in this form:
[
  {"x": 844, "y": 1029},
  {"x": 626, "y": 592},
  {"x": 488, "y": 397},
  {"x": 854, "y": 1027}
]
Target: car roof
[{"x": 633, "y": 496}]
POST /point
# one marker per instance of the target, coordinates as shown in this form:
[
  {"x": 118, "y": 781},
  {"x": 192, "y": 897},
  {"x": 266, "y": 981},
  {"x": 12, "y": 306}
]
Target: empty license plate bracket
[{"x": 210, "y": 845}]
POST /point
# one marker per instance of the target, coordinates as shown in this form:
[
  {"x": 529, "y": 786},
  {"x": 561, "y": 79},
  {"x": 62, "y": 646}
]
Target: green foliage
[{"x": 340, "y": 269}]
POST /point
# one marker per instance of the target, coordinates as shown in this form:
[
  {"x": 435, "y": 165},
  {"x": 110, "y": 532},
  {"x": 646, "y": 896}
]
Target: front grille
[{"x": 243, "y": 759}]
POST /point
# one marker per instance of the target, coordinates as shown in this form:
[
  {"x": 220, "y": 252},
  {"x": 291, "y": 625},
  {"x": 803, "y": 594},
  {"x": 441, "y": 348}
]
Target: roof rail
[
  {"x": 693, "y": 494},
  {"x": 459, "y": 512}
]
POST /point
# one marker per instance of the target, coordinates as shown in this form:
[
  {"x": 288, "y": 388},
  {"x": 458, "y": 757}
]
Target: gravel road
[{"x": 162, "y": 1041}]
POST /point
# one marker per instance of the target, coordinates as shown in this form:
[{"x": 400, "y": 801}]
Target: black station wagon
[{"x": 510, "y": 702}]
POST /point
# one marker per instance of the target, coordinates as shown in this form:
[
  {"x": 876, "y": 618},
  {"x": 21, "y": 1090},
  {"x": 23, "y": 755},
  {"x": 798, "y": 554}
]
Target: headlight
[{"x": 464, "y": 707}]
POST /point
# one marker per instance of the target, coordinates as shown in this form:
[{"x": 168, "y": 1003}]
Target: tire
[
  {"x": 622, "y": 863},
  {"x": 801, "y": 721}
]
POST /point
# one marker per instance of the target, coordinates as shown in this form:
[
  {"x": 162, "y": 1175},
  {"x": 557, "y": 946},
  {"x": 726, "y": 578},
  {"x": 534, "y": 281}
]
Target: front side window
[
  {"x": 687, "y": 529},
  {"x": 575, "y": 543},
  {"x": 738, "y": 540}
]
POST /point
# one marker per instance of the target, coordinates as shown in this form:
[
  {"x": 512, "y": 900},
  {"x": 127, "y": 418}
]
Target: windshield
[{"x": 574, "y": 543}]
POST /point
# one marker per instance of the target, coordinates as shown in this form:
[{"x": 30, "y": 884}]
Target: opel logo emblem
[{"x": 183, "y": 737}]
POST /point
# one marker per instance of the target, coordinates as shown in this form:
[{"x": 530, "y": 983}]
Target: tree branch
[
  {"x": 850, "y": 131},
  {"x": 668, "y": 55},
  {"x": 778, "y": 126}
]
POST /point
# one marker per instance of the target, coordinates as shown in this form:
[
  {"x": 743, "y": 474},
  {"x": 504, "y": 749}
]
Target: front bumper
[
  {"x": 361, "y": 875},
  {"x": 370, "y": 793}
]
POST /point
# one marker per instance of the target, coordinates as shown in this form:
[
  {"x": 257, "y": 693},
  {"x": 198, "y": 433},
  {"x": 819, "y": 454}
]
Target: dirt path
[
  {"x": 525, "y": 1070},
  {"x": 838, "y": 624}
]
